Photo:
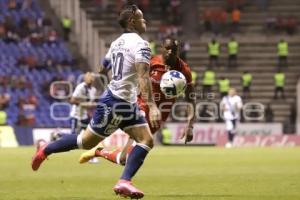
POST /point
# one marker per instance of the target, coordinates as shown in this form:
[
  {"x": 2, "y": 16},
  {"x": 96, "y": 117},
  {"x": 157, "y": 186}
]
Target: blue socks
[
  {"x": 65, "y": 143},
  {"x": 135, "y": 161}
]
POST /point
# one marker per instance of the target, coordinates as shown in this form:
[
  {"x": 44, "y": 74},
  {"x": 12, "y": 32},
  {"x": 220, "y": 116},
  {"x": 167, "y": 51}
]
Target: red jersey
[{"x": 157, "y": 69}]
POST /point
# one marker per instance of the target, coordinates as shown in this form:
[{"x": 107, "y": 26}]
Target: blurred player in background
[
  {"x": 83, "y": 101},
  {"x": 230, "y": 107},
  {"x": 117, "y": 108},
  {"x": 160, "y": 64}
]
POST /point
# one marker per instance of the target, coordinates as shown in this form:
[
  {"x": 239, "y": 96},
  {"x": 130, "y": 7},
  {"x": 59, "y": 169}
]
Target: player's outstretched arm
[
  {"x": 191, "y": 99},
  {"x": 146, "y": 92}
]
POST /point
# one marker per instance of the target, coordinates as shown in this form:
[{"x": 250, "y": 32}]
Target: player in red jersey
[{"x": 160, "y": 64}]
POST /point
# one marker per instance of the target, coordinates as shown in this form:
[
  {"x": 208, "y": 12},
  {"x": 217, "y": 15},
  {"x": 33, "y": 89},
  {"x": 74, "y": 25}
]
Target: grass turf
[{"x": 171, "y": 173}]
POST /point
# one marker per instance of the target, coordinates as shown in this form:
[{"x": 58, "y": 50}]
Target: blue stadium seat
[{"x": 9, "y": 55}]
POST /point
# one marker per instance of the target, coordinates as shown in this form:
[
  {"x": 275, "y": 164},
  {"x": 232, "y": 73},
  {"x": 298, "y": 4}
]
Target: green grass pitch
[{"x": 169, "y": 173}]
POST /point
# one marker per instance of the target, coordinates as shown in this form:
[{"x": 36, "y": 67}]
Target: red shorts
[{"x": 144, "y": 107}]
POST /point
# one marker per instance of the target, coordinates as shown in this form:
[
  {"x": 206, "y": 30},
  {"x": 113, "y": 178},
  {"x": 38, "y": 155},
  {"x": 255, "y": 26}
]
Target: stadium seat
[{"x": 10, "y": 53}]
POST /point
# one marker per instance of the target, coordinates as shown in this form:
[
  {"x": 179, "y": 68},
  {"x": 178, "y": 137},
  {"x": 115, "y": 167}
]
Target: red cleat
[
  {"x": 109, "y": 155},
  {"x": 38, "y": 158},
  {"x": 126, "y": 189}
]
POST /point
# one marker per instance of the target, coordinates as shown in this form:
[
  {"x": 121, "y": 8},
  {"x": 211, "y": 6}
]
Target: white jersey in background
[
  {"x": 124, "y": 52},
  {"x": 231, "y": 107},
  {"x": 82, "y": 91}
]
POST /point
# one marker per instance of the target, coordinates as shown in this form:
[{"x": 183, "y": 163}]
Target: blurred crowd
[
  {"x": 227, "y": 19},
  {"x": 28, "y": 42}
]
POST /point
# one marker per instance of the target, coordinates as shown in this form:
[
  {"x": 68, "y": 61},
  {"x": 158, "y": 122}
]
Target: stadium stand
[
  {"x": 257, "y": 52},
  {"x": 29, "y": 62},
  {"x": 257, "y": 48},
  {"x": 253, "y": 19},
  {"x": 106, "y": 23}
]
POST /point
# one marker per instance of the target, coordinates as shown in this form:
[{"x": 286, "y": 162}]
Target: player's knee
[
  {"x": 150, "y": 144},
  {"x": 89, "y": 140},
  {"x": 148, "y": 141},
  {"x": 142, "y": 136}
]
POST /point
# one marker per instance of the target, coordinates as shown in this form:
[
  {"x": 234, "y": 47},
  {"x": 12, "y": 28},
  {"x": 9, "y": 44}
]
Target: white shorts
[{"x": 231, "y": 124}]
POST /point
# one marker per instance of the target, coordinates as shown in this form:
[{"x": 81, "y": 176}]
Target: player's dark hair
[
  {"x": 174, "y": 44},
  {"x": 126, "y": 13}
]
